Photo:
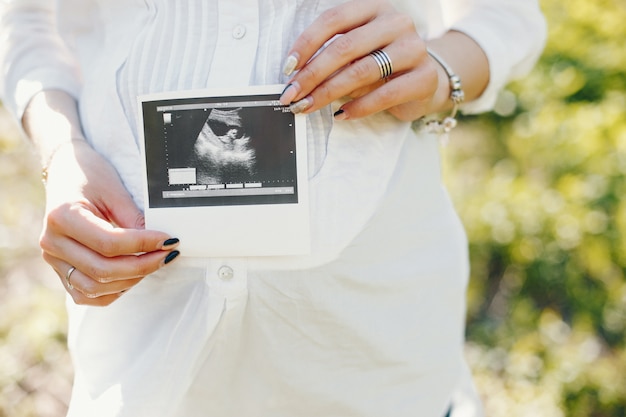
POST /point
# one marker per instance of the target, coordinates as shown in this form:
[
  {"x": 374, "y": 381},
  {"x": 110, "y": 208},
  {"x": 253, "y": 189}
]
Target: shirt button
[
  {"x": 239, "y": 31},
  {"x": 225, "y": 272}
]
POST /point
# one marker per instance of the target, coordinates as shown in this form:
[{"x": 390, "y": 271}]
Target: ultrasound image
[{"x": 222, "y": 152}]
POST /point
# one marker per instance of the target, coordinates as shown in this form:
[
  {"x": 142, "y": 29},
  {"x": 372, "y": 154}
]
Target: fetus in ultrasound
[{"x": 222, "y": 152}]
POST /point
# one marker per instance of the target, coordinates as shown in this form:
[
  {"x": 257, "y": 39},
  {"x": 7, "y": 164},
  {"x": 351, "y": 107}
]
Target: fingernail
[
  {"x": 170, "y": 257},
  {"x": 289, "y": 93},
  {"x": 290, "y": 64},
  {"x": 302, "y": 105},
  {"x": 170, "y": 242},
  {"x": 340, "y": 115}
]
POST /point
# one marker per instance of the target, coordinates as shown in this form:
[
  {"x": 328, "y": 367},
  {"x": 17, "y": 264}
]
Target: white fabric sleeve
[
  {"x": 32, "y": 55},
  {"x": 512, "y": 33}
]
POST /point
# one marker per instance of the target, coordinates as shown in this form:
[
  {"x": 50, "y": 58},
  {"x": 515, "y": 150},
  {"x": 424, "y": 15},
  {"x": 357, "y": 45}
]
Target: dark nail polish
[
  {"x": 170, "y": 242},
  {"x": 171, "y": 256},
  {"x": 340, "y": 115}
]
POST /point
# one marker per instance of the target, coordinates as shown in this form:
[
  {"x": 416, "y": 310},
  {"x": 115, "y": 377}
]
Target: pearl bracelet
[{"x": 457, "y": 96}]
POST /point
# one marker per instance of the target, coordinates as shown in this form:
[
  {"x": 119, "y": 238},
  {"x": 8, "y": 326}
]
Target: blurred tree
[
  {"x": 541, "y": 198},
  {"x": 35, "y": 368}
]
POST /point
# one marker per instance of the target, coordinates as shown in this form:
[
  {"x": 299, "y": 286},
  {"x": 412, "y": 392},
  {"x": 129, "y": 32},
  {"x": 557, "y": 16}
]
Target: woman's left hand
[{"x": 346, "y": 68}]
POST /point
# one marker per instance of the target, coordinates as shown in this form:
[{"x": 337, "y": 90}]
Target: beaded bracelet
[{"x": 456, "y": 95}]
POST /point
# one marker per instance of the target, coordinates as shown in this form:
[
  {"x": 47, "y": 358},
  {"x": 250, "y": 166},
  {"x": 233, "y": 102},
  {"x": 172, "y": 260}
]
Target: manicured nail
[
  {"x": 289, "y": 93},
  {"x": 170, "y": 257},
  {"x": 302, "y": 105},
  {"x": 290, "y": 64},
  {"x": 170, "y": 242},
  {"x": 340, "y": 115}
]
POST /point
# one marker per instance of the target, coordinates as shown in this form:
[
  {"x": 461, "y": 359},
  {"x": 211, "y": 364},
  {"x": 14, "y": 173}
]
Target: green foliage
[
  {"x": 35, "y": 371},
  {"x": 541, "y": 197}
]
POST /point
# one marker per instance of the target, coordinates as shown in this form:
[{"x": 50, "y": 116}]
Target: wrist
[
  {"x": 441, "y": 100},
  {"x": 51, "y": 121},
  {"x": 449, "y": 95},
  {"x": 50, "y": 157}
]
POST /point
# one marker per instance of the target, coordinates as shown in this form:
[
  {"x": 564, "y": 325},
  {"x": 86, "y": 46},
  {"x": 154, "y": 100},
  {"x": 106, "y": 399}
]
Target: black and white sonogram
[{"x": 222, "y": 152}]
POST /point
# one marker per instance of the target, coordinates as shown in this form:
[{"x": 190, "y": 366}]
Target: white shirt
[{"x": 371, "y": 323}]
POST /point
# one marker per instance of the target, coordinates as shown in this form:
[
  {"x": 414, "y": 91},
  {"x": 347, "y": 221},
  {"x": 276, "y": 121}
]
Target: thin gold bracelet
[
  {"x": 456, "y": 95},
  {"x": 46, "y": 165}
]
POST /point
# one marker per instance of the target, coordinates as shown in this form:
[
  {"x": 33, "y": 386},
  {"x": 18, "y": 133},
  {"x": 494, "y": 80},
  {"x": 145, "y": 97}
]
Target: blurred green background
[{"x": 540, "y": 196}]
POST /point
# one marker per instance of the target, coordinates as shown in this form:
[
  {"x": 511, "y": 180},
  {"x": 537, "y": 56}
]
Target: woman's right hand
[{"x": 93, "y": 225}]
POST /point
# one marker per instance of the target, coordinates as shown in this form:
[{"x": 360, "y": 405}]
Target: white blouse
[{"x": 372, "y": 322}]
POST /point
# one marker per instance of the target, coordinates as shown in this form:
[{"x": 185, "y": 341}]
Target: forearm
[
  {"x": 511, "y": 33},
  {"x": 51, "y": 120}
]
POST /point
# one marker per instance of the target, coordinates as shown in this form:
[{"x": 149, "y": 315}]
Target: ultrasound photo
[
  {"x": 220, "y": 151},
  {"x": 225, "y": 171}
]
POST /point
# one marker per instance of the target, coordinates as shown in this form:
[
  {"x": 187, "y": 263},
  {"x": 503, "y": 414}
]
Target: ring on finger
[
  {"x": 68, "y": 276},
  {"x": 384, "y": 63}
]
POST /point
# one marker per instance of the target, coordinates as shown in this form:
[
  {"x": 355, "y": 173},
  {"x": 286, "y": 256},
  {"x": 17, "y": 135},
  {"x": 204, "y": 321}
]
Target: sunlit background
[{"x": 539, "y": 185}]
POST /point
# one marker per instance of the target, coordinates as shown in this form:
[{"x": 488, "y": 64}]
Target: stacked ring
[{"x": 384, "y": 63}]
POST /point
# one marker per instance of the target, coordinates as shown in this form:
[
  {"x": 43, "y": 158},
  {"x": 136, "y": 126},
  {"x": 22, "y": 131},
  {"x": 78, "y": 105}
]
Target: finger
[
  {"x": 358, "y": 78},
  {"x": 73, "y": 283},
  {"x": 409, "y": 103},
  {"x": 348, "y": 64},
  {"x": 357, "y": 42},
  {"x": 79, "y": 222},
  {"x": 336, "y": 20},
  {"x": 75, "y": 280},
  {"x": 104, "y": 269},
  {"x": 90, "y": 288},
  {"x": 122, "y": 211},
  {"x": 102, "y": 301}
]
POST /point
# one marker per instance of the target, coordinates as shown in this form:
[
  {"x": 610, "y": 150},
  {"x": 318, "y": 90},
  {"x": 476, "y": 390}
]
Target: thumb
[{"x": 121, "y": 210}]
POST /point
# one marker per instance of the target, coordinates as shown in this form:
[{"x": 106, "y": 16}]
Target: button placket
[
  {"x": 227, "y": 277},
  {"x": 239, "y": 31},
  {"x": 237, "y": 43}
]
